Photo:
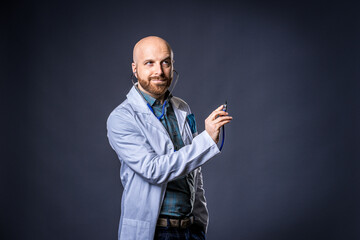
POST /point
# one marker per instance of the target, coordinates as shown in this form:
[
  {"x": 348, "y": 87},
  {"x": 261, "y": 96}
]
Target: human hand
[{"x": 215, "y": 121}]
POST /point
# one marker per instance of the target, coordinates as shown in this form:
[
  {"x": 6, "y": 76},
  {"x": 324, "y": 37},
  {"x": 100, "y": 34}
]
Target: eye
[
  {"x": 149, "y": 63},
  {"x": 166, "y": 63}
]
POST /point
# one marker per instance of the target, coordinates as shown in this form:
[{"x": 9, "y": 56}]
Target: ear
[{"x": 133, "y": 66}]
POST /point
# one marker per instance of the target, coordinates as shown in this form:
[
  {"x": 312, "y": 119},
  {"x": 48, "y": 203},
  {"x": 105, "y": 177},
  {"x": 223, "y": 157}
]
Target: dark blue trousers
[{"x": 172, "y": 233}]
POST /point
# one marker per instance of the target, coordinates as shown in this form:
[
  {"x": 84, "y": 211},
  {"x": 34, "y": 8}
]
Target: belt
[{"x": 174, "y": 222}]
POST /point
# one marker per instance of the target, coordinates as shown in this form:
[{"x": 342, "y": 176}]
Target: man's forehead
[
  {"x": 151, "y": 47},
  {"x": 154, "y": 52}
]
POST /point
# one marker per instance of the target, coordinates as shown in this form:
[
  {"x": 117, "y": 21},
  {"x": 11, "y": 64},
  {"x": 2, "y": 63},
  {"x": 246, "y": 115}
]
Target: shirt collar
[{"x": 153, "y": 101}]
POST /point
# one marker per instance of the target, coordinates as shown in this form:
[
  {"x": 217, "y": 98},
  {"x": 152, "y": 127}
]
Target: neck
[{"x": 159, "y": 97}]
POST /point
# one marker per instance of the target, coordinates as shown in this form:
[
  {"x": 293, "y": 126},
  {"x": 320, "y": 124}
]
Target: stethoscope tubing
[
  {"x": 147, "y": 103},
  {"x": 163, "y": 107}
]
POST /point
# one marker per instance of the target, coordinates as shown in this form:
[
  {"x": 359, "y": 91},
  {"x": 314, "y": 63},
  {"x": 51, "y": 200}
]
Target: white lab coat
[{"x": 148, "y": 163}]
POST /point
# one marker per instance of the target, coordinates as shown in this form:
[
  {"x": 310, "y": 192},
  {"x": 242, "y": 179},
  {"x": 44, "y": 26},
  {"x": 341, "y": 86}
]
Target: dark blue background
[{"x": 290, "y": 73}]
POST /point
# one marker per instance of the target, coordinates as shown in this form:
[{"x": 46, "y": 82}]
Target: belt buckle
[
  {"x": 183, "y": 223},
  {"x": 174, "y": 222}
]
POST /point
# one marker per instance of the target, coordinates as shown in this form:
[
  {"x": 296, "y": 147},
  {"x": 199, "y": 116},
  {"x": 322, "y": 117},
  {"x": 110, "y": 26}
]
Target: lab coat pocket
[{"x": 134, "y": 229}]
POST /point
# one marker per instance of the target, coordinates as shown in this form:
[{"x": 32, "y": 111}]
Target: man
[{"x": 154, "y": 135}]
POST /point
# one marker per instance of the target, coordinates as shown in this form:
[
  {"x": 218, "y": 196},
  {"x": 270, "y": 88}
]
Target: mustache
[{"x": 159, "y": 78}]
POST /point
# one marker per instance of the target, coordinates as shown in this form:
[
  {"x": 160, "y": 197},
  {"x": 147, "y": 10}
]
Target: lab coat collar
[
  {"x": 137, "y": 102},
  {"x": 139, "y": 105}
]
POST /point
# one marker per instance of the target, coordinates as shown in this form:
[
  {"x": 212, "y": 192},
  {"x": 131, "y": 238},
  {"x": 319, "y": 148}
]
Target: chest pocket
[{"x": 192, "y": 123}]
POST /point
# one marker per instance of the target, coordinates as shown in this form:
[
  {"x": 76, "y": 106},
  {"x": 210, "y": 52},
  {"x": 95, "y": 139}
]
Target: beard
[{"x": 157, "y": 89}]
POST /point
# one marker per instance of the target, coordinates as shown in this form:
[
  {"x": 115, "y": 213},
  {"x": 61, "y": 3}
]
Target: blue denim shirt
[{"x": 180, "y": 193}]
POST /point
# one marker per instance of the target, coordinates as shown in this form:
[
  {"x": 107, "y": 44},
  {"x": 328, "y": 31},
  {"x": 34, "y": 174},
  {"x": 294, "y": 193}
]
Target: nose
[{"x": 158, "y": 70}]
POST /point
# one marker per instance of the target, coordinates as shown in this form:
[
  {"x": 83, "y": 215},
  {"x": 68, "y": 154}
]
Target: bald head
[
  {"x": 148, "y": 43},
  {"x": 153, "y": 66}
]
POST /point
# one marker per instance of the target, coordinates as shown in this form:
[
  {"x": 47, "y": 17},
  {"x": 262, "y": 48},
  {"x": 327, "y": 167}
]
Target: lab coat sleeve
[{"x": 134, "y": 150}]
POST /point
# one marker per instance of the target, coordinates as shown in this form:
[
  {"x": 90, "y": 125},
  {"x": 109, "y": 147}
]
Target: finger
[
  {"x": 220, "y": 107},
  {"x": 217, "y": 109},
  {"x": 217, "y": 113},
  {"x": 223, "y": 118},
  {"x": 220, "y": 124}
]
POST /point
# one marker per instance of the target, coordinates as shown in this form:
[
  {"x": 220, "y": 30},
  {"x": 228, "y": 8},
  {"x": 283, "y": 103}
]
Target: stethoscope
[
  {"x": 169, "y": 95},
  {"x": 223, "y": 127},
  {"x": 166, "y": 100}
]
